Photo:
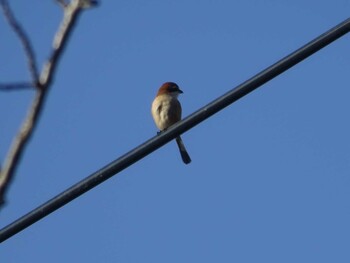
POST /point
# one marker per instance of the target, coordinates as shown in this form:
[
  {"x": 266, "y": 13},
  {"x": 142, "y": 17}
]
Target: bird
[{"x": 166, "y": 110}]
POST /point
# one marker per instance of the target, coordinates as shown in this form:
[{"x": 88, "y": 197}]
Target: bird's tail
[{"x": 184, "y": 155}]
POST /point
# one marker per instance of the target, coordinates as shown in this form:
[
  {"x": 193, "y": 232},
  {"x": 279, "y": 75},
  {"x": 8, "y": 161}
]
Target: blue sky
[{"x": 269, "y": 179}]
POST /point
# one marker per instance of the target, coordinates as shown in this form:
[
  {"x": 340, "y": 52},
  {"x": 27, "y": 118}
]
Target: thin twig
[
  {"x": 27, "y": 46},
  {"x": 15, "y": 86},
  {"x": 62, "y": 3},
  {"x": 71, "y": 13}
]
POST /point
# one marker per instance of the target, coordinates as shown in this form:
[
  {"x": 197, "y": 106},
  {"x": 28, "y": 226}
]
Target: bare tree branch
[
  {"x": 15, "y": 86},
  {"x": 71, "y": 13},
  {"x": 27, "y": 46}
]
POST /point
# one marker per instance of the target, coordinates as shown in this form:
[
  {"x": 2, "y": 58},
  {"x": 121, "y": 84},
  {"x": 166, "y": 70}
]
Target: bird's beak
[{"x": 180, "y": 91}]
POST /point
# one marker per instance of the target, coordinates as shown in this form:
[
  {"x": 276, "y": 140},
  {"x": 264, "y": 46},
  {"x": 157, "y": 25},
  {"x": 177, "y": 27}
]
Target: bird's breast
[{"x": 166, "y": 110}]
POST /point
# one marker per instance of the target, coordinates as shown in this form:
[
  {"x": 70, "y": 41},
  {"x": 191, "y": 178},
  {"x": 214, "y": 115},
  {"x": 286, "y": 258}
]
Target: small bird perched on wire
[{"x": 166, "y": 110}]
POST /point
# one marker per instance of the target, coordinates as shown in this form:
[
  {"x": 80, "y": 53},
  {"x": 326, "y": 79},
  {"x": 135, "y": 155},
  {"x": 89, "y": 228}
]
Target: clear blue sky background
[{"x": 270, "y": 175}]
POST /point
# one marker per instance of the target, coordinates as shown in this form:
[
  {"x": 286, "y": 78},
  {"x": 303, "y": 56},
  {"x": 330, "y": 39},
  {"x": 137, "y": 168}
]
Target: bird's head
[{"x": 169, "y": 88}]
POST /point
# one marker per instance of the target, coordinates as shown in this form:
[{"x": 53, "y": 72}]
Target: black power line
[{"x": 156, "y": 142}]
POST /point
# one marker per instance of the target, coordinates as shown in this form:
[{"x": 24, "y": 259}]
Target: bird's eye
[{"x": 174, "y": 88}]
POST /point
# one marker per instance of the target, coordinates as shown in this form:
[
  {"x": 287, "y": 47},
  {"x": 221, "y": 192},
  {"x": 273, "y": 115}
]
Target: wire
[{"x": 186, "y": 124}]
